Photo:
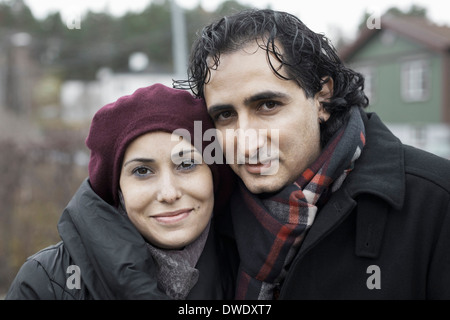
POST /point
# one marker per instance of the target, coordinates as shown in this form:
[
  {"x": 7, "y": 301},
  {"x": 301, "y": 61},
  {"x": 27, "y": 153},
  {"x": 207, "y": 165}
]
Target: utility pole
[{"x": 179, "y": 46}]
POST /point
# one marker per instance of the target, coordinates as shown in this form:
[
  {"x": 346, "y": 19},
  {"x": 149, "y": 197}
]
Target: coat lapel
[{"x": 383, "y": 179}]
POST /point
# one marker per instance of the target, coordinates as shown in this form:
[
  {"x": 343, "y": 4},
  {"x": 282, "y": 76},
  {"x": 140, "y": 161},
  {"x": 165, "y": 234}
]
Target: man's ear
[{"x": 324, "y": 95}]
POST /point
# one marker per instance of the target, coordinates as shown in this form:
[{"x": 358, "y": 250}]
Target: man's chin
[{"x": 262, "y": 184}]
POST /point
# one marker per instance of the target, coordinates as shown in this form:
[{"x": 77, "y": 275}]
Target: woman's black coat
[{"x": 103, "y": 256}]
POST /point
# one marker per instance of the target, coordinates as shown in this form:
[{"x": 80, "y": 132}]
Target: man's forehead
[
  {"x": 251, "y": 47},
  {"x": 242, "y": 68}
]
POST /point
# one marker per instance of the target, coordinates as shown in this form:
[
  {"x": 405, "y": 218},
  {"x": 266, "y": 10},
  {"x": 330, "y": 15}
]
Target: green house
[{"x": 406, "y": 64}]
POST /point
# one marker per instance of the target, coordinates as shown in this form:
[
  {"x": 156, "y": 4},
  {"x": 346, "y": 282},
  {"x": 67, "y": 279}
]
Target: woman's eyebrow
[
  {"x": 181, "y": 153},
  {"x": 141, "y": 160}
]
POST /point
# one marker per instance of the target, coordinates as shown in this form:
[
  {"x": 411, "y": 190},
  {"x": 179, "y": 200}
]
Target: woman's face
[{"x": 167, "y": 190}]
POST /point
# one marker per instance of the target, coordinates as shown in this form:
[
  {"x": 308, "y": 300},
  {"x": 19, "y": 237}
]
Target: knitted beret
[{"x": 116, "y": 125}]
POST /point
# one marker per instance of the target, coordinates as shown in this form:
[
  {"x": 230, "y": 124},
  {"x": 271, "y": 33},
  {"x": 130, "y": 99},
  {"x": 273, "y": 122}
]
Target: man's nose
[{"x": 249, "y": 139}]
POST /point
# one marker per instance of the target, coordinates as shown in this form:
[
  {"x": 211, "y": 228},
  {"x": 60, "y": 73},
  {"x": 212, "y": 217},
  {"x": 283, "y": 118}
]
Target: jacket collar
[
  {"x": 92, "y": 232},
  {"x": 378, "y": 172},
  {"x": 380, "y": 169}
]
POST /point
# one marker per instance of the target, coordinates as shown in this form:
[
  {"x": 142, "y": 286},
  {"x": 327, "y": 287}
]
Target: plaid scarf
[{"x": 270, "y": 230}]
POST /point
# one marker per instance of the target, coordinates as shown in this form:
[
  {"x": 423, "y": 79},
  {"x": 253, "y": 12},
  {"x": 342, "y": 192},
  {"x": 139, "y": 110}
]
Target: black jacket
[
  {"x": 112, "y": 261},
  {"x": 385, "y": 234}
]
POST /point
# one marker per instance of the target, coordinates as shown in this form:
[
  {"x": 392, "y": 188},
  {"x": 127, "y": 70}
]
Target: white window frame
[
  {"x": 416, "y": 80},
  {"x": 369, "y": 81}
]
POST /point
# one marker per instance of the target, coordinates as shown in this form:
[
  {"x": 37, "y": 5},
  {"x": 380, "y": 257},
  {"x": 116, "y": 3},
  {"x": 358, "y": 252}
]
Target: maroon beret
[{"x": 116, "y": 125}]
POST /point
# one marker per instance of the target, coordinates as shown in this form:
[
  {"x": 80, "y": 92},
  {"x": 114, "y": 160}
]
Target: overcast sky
[{"x": 325, "y": 16}]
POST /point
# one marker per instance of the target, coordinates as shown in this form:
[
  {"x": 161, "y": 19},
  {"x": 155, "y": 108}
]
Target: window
[
  {"x": 415, "y": 80},
  {"x": 369, "y": 81}
]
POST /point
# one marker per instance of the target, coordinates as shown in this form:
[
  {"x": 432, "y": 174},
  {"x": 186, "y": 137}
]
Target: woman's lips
[{"x": 172, "y": 216}]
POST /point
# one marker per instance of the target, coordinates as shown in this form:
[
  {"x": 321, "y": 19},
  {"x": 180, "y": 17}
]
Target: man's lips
[
  {"x": 258, "y": 167},
  {"x": 172, "y": 216}
]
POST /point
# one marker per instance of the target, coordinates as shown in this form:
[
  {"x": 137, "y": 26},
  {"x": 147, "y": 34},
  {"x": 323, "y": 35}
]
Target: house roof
[{"x": 418, "y": 29}]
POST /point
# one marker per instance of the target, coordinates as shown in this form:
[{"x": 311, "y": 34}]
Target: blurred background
[{"x": 60, "y": 61}]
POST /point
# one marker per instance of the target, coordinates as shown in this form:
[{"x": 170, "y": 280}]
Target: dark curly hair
[{"x": 308, "y": 58}]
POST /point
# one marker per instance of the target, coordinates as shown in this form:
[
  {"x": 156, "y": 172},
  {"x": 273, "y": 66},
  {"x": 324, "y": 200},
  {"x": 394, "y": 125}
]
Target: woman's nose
[{"x": 169, "y": 190}]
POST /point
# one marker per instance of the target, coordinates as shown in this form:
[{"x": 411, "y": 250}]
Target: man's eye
[
  {"x": 269, "y": 105},
  {"x": 225, "y": 115}
]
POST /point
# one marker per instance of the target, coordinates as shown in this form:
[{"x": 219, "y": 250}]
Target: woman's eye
[
  {"x": 187, "y": 164},
  {"x": 141, "y": 171}
]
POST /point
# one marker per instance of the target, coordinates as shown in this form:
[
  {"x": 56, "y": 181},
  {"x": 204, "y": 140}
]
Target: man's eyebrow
[
  {"x": 142, "y": 160},
  {"x": 265, "y": 95},
  {"x": 218, "y": 108}
]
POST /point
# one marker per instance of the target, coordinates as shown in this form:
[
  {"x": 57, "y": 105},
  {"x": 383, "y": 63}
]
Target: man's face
[{"x": 281, "y": 125}]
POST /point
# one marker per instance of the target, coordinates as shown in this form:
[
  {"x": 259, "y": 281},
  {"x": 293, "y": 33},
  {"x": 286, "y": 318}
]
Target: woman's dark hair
[{"x": 308, "y": 58}]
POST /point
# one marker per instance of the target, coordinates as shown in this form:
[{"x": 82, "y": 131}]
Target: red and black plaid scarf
[{"x": 269, "y": 231}]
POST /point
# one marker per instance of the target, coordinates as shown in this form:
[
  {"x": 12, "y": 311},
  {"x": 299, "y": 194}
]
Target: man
[{"x": 335, "y": 207}]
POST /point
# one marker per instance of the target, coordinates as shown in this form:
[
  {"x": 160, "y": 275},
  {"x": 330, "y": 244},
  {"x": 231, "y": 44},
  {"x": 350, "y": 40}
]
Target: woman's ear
[{"x": 324, "y": 95}]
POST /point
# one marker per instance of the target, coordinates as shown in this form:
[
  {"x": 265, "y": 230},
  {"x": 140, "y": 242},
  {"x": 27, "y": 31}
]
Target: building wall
[
  {"x": 383, "y": 56},
  {"x": 434, "y": 138}
]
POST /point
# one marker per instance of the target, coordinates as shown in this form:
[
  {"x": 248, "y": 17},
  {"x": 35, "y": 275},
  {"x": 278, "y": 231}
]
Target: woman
[{"x": 142, "y": 225}]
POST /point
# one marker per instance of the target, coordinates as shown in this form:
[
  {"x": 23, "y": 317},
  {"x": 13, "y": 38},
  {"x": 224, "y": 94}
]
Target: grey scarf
[{"x": 176, "y": 268}]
